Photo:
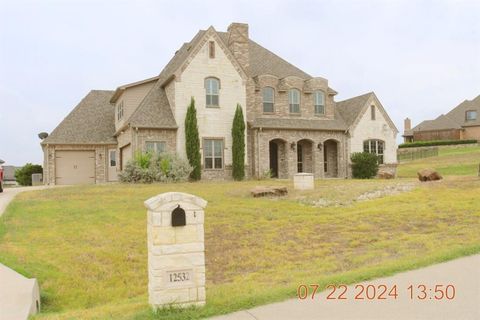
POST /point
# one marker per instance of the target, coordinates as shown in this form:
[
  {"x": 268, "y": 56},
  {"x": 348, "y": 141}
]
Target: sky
[{"x": 421, "y": 58}]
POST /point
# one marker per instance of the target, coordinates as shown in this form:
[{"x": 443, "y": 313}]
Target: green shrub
[
  {"x": 238, "y": 145},
  {"x": 143, "y": 159},
  {"x": 435, "y": 143},
  {"x": 163, "y": 167},
  {"x": 24, "y": 174},
  {"x": 364, "y": 165},
  {"x": 192, "y": 141}
]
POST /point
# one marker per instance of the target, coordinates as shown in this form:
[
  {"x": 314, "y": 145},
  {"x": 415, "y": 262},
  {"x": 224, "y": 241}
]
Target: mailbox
[
  {"x": 176, "y": 250},
  {"x": 178, "y": 217}
]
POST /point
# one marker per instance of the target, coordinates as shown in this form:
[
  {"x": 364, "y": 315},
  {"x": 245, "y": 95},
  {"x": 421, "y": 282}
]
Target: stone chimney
[
  {"x": 238, "y": 43},
  {"x": 407, "y": 124}
]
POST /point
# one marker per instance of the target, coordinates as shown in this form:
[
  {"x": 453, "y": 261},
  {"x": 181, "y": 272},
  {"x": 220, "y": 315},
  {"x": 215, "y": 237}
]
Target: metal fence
[{"x": 407, "y": 155}]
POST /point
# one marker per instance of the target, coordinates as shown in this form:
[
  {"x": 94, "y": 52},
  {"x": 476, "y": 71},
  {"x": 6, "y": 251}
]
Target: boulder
[
  {"x": 269, "y": 191},
  {"x": 385, "y": 175},
  {"x": 428, "y": 175}
]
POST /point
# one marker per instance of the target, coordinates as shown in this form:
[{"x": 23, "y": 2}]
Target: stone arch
[
  {"x": 331, "y": 154},
  {"x": 305, "y": 155}
]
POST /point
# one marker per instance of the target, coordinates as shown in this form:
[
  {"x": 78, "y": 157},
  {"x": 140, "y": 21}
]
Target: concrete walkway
[
  {"x": 463, "y": 273},
  {"x": 19, "y": 296}
]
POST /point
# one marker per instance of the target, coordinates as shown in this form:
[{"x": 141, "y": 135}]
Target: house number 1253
[{"x": 179, "y": 276}]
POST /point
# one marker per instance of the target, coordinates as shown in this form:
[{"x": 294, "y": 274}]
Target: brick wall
[{"x": 449, "y": 134}]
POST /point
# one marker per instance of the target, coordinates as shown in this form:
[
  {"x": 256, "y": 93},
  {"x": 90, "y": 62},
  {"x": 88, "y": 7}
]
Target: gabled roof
[
  {"x": 154, "y": 111},
  {"x": 458, "y": 113},
  {"x": 443, "y": 122},
  {"x": 90, "y": 122},
  {"x": 353, "y": 109},
  {"x": 455, "y": 119},
  {"x": 122, "y": 88},
  {"x": 263, "y": 61}
]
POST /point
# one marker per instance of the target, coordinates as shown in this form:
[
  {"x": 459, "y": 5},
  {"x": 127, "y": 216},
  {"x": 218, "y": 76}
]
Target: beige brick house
[{"x": 293, "y": 122}]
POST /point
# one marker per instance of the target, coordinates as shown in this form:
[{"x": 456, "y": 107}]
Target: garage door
[{"x": 75, "y": 167}]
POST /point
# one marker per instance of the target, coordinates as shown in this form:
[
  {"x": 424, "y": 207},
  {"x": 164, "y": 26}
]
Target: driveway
[{"x": 463, "y": 274}]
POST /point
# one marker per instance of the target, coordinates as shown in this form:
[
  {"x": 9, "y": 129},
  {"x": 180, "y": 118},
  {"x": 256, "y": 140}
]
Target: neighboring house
[
  {"x": 293, "y": 122},
  {"x": 462, "y": 122}
]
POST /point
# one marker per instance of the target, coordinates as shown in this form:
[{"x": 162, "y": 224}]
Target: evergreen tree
[
  {"x": 192, "y": 141},
  {"x": 238, "y": 145}
]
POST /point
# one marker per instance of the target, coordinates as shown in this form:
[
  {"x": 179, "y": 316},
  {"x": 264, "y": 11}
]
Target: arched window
[
  {"x": 268, "y": 99},
  {"x": 376, "y": 147},
  {"x": 212, "y": 87},
  {"x": 319, "y": 102},
  {"x": 294, "y": 100}
]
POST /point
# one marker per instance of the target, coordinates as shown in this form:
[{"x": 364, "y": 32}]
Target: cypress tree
[
  {"x": 192, "y": 141},
  {"x": 238, "y": 145}
]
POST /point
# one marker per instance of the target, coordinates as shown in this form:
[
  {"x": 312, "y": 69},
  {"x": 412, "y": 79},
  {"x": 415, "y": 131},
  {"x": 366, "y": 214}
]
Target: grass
[
  {"x": 87, "y": 245},
  {"x": 462, "y": 161}
]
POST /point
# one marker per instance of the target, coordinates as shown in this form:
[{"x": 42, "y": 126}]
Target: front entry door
[
  {"x": 112, "y": 165},
  {"x": 273, "y": 159}
]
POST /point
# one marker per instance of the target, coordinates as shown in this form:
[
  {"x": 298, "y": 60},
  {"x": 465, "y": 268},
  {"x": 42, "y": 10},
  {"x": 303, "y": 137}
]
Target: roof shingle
[{"x": 90, "y": 122}]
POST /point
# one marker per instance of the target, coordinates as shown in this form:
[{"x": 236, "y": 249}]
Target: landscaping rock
[
  {"x": 385, "y": 175},
  {"x": 269, "y": 191},
  {"x": 428, "y": 175}
]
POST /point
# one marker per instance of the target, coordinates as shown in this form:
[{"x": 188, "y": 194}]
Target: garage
[{"x": 74, "y": 167}]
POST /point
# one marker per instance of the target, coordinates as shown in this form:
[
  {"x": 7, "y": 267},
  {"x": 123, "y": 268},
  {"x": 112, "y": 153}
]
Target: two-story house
[{"x": 293, "y": 123}]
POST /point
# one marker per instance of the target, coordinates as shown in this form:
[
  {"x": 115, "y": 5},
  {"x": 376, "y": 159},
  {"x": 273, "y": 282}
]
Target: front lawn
[
  {"x": 459, "y": 161},
  {"x": 87, "y": 245}
]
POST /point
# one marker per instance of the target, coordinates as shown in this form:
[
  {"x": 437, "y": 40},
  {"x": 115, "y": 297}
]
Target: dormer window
[
  {"x": 471, "y": 115},
  {"x": 294, "y": 100},
  {"x": 212, "y": 87},
  {"x": 120, "y": 111},
  {"x": 211, "y": 49},
  {"x": 268, "y": 99},
  {"x": 319, "y": 101},
  {"x": 372, "y": 112}
]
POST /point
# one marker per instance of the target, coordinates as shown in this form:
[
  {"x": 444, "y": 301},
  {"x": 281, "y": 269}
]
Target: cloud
[{"x": 422, "y": 58}]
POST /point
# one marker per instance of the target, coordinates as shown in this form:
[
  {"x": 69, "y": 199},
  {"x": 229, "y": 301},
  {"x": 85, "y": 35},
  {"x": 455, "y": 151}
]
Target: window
[
  {"x": 212, "y": 85},
  {"x": 471, "y": 115},
  {"x": 294, "y": 100},
  {"x": 213, "y": 153},
  {"x": 319, "y": 102},
  {"x": 155, "y": 146},
  {"x": 372, "y": 112},
  {"x": 113, "y": 158},
  {"x": 376, "y": 147},
  {"x": 268, "y": 99},
  {"x": 211, "y": 49},
  {"x": 120, "y": 110}
]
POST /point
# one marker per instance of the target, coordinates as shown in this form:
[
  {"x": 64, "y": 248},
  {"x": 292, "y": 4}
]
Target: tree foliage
[
  {"x": 24, "y": 174},
  {"x": 364, "y": 165},
  {"x": 238, "y": 145},
  {"x": 192, "y": 141}
]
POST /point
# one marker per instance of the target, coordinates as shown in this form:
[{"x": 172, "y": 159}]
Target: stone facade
[
  {"x": 176, "y": 252},
  {"x": 314, "y": 143},
  {"x": 321, "y": 147}
]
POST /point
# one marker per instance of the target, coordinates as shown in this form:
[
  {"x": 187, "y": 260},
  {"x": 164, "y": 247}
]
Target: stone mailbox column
[{"x": 176, "y": 251}]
